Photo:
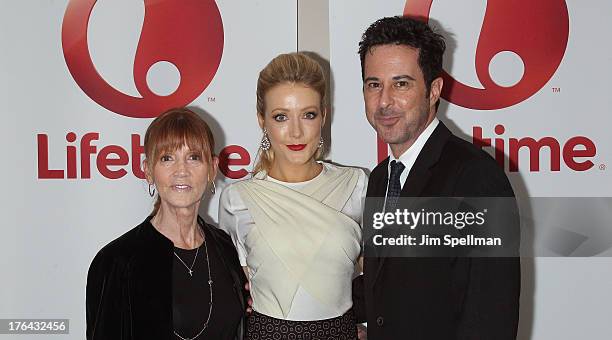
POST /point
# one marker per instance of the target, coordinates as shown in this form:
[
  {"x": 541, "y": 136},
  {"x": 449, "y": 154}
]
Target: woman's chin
[
  {"x": 175, "y": 204},
  {"x": 302, "y": 159}
]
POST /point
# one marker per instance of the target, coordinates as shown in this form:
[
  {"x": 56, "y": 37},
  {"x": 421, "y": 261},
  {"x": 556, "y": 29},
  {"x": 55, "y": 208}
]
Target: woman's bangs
[{"x": 175, "y": 137}]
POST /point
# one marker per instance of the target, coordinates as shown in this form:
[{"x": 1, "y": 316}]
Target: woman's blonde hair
[
  {"x": 291, "y": 68},
  {"x": 173, "y": 129}
]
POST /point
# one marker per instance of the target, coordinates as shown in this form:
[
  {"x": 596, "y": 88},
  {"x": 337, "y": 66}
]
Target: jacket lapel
[
  {"x": 419, "y": 175},
  {"x": 377, "y": 185}
]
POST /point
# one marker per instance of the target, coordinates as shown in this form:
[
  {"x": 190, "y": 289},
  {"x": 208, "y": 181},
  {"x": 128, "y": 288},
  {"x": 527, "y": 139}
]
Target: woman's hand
[
  {"x": 362, "y": 331},
  {"x": 249, "y": 310}
]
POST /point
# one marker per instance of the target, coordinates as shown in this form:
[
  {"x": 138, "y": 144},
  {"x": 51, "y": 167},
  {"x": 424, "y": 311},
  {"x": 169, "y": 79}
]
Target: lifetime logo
[
  {"x": 537, "y": 31},
  {"x": 186, "y": 33}
]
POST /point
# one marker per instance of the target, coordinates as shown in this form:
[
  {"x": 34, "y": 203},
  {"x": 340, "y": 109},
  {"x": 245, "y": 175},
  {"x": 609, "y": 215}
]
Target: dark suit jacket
[
  {"x": 441, "y": 298},
  {"x": 129, "y": 284}
]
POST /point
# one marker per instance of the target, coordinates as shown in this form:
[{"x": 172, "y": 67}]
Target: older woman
[
  {"x": 173, "y": 276},
  {"x": 296, "y": 222}
]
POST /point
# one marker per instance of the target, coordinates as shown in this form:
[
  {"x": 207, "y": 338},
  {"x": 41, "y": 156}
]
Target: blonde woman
[{"x": 296, "y": 222}]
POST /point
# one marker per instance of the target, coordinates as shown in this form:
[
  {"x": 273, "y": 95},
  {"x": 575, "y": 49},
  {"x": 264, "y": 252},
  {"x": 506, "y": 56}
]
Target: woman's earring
[
  {"x": 321, "y": 142},
  {"x": 213, "y": 188},
  {"x": 151, "y": 189},
  {"x": 265, "y": 141}
]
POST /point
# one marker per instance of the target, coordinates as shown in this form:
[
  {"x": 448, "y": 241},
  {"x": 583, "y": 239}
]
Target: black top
[
  {"x": 191, "y": 295},
  {"x": 130, "y": 285}
]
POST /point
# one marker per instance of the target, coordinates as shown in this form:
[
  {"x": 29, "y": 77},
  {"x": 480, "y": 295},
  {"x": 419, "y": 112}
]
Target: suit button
[{"x": 380, "y": 321}]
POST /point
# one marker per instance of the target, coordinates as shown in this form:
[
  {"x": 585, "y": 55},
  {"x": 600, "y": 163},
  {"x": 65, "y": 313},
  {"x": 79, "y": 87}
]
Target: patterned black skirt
[{"x": 263, "y": 327}]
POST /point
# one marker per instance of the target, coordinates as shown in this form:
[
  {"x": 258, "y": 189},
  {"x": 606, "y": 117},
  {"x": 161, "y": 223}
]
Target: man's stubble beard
[{"x": 409, "y": 132}]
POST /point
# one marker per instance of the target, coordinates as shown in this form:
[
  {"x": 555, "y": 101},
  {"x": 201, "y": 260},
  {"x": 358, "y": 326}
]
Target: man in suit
[{"x": 434, "y": 297}]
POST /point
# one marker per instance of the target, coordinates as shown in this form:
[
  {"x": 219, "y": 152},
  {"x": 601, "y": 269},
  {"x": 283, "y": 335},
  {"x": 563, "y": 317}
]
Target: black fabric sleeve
[
  {"x": 107, "y": 318},
  {"x": 491, "y": 303},
  {"x": 359, "y": 307}
]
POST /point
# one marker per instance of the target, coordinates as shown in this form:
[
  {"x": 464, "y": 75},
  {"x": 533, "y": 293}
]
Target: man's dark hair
[{"x": 409, "y": 32}]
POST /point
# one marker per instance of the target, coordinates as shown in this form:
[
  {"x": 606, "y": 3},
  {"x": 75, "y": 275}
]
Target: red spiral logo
[
  {"x": 537, "y": 31},
  {"x": 186, "y": 33}
]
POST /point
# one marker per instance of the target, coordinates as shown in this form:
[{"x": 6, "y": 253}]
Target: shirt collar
[{"x": 409, "y": 156}]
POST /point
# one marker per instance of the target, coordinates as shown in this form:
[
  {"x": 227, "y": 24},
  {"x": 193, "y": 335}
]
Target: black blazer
[
  {"x": 129, "y": 284},
  {"x": 441, "y": 298}
]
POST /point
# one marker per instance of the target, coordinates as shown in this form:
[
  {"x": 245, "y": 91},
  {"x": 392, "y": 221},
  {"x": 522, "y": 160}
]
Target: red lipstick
[{"x": 296, "y": 147}]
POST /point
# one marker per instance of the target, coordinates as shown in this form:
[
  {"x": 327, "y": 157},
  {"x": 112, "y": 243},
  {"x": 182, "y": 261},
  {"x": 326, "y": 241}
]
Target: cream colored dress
[{"x": 299, "y": 241}]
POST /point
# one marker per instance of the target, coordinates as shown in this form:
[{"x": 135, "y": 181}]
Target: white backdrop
[
  {"x": 56, "y": 226},
  {"x": 52, "y": 228},
  {"x": 563, "y": 298}
]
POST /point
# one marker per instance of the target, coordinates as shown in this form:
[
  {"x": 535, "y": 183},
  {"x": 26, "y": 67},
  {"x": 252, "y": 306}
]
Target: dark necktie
[{"x": 395, "y": 187}]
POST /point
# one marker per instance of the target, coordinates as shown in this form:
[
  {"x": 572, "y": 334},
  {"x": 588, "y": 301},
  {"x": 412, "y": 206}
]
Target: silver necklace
[
  {"x": 189, "y": 268},
  {"x": 210, "y": 288}
]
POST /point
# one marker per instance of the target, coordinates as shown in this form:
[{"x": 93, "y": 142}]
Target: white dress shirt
[{"x": 409, "y": 156}]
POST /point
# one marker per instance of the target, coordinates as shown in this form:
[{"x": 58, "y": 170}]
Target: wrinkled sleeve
[
  {"x": 353, "y": 207},
  {"x": 359, "y": 195},
  {"x": 233, "y": 220},
  {"x": 355, "y": 204}
]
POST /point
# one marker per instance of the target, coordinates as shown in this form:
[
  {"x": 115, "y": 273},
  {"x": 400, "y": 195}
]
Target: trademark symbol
[
  {"x": 211, "y": 99},
  {"x": 602, "y": 167},
  {"x": 556, "y": 89}
]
